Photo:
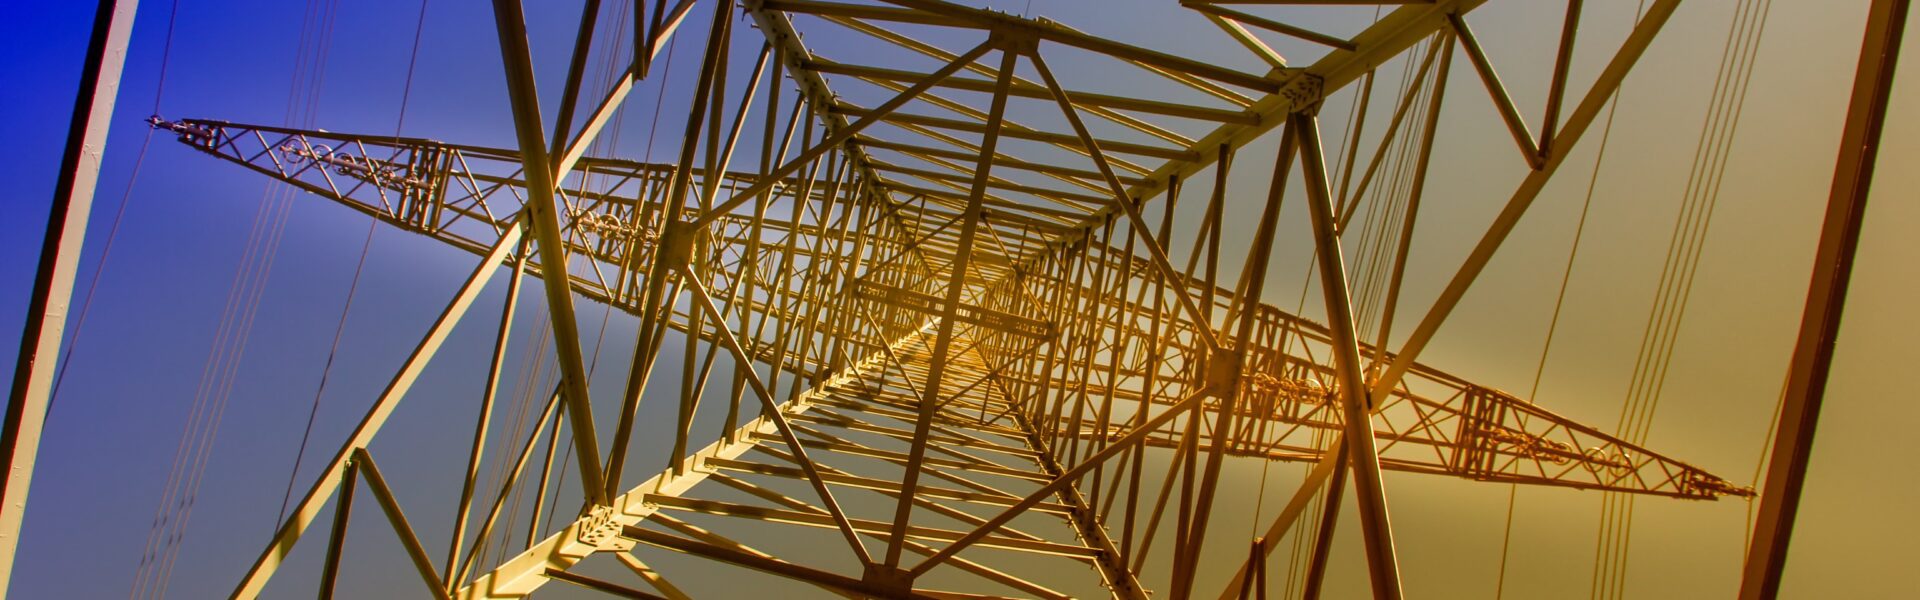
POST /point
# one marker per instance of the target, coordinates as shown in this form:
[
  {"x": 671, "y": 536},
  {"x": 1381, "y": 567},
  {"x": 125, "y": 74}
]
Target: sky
[{"x": 137, "y": 361}]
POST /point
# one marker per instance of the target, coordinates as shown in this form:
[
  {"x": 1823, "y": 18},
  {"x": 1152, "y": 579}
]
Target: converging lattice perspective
[{"x": 955, "y": 299}]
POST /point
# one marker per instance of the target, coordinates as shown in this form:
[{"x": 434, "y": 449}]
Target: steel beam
[
  {"x": 52, "y": 293},
  {"x": 1363, "y": 458},
  {"x": 545, "y": 221},
  {"x": 1826, "y": 296}
]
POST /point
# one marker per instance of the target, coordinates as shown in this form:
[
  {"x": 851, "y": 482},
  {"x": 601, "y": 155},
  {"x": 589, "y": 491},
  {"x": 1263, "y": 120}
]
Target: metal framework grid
[{"x": 960, "y": 358}]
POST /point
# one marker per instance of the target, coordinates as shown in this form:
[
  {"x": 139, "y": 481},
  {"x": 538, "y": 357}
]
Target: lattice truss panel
[{"x": 965, "y": 327}]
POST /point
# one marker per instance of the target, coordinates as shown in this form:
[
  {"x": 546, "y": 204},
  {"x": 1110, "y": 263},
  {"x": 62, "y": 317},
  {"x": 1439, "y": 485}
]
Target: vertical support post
[
  {"x": 1363, "y": 456},
  {"x": 540, "y": 210},
  {"x": 59, "y": 260},
  {"x": 1826, "y": 296}
]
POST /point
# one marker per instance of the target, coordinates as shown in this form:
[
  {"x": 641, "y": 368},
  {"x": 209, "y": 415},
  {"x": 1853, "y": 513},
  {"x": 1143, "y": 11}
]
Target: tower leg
[
  {"x": 1826, "y": 296},
  {"x": 59, "y": 259}
]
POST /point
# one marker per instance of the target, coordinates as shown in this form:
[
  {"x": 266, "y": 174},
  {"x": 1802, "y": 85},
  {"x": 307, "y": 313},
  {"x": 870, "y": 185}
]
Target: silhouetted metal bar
[
  {"x": 1332, "y": 462},
  {"x": 1826, "y": 297},
  {"x": 600, "y": 585},
  {"x": 337, "y": 536},
  {"x": 59, "y": 261},
  {"x": 1316, "y": 37}
]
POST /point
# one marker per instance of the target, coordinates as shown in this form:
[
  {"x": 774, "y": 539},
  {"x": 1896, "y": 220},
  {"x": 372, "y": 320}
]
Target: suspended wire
[
  {"x": 1760, "y": 464},
  {"x": 1378, "y": 242},
  {"x": 544, "y": 371},
  {"x": 1685, "y": 249},
  {"x": 353, "y": 285},
  {"x": 167, "y": 532},
  {"x": 531, "y": 379},
  {"x": 1553, "y": 323},
  {"x": 119, "y": 214},
  {"x": 326, "y": 370}
]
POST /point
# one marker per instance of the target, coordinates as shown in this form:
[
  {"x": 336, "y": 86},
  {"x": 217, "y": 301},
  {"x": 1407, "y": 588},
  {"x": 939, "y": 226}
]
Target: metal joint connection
[
  {"x": 1223, "y": 371},
  {"x": 893, "y": 579},
  {"x": 1305, "y": 91},
  {"x": 677, "y": 244},
  {"x": 1018, "y": 38},
  {"x": 599, "y": 529}
]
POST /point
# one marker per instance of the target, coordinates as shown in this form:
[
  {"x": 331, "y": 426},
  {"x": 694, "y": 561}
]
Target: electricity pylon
[{"x": 935, "y": 347}]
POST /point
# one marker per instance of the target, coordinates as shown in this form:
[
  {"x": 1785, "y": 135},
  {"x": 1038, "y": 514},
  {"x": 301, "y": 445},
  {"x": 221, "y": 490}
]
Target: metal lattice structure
[{"x": 970, "y": 354}]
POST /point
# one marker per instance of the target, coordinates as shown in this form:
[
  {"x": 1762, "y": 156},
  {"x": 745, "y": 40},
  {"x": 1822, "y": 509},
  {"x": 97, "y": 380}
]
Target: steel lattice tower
[{"x": 973, "y": 355}]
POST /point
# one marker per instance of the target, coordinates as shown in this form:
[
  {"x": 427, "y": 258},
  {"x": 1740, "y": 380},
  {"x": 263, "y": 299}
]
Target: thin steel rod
[
  {"x": 513, "y": 478},
  {"x": 391, "y": 506},
  {"x": 465, "y": 507},
  {"x": 1557, "y": 90},
  {"x": 1139, "y": 225},
  {"x": 1258, "y": 256},
  {"x": 841, "y": 135},
  {"x": 1415, "y": 191},
  {"x": 1323, "y": 535},
  {"x": 600, "y": 585},
  {"x": 654, "y": 304},
  {"x": 1138, "y": 435},
  {"x": 1331, "y": 462},
  {"x": 1501, "y": 100},
  {"x": 337, "y": 536},
  {"x": 943, "y": 339}
]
